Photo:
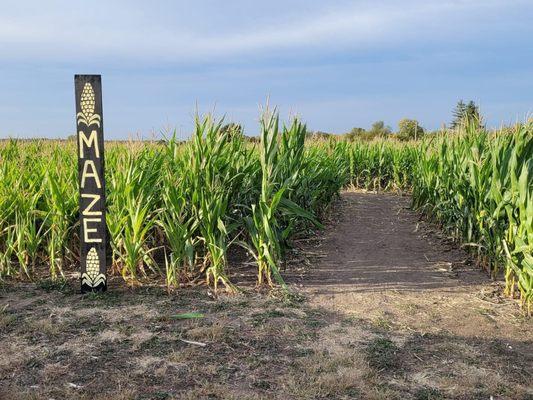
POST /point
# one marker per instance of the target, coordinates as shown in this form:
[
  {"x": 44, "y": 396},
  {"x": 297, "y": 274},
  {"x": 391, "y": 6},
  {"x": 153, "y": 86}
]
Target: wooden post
[{"x": 93, "y": 232}]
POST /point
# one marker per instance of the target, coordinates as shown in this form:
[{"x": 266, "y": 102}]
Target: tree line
[{"x": 410, "y": 129}]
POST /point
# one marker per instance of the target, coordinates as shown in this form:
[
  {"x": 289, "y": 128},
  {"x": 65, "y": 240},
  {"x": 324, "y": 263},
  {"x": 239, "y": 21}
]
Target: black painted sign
[{"x": 93, "y": 236}]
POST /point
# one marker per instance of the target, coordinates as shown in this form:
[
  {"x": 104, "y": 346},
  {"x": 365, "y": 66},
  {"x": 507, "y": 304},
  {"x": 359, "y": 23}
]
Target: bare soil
[{"x": 382, "y": 306}]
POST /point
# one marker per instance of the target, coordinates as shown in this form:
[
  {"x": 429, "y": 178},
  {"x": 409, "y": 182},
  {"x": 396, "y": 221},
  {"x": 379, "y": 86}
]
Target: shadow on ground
[{"x": 130, "y": 345}]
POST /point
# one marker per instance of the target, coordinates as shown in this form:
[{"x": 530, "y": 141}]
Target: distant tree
[
  {"x": 355, "y": 133},
  {"x": 72, "y": 137},
  {"x": 409, "y": 129},
  {"x": 458, "y": 114},
  {"x": 464, "y": 114},
  {"x": 472, "y": 114},
  {"x": 379, "y": 129},
  {"x": 233, "y": 129},
  {"x": 252, "y": 139},
  {"x": 318, "y": 135}
]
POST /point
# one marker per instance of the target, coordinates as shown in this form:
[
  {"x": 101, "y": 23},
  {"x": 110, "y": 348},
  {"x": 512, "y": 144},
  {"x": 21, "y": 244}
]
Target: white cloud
[{"x": 126, "y": 31}]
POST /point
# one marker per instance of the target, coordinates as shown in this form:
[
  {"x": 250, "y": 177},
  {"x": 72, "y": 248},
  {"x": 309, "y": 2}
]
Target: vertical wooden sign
[{"x": 93, "y": 232}]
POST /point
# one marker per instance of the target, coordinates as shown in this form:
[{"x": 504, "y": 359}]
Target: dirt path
[
  {"x": 378, "y": 259},
  {"x": 392, "y": 312},
  {"x": 437, "y": 322}
]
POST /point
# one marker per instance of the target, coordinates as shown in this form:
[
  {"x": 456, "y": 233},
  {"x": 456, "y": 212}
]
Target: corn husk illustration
[
  {"x": 92, "y": 276},
  {"x": 93, "y": 266},
  {"x": 87, "y": 104}
]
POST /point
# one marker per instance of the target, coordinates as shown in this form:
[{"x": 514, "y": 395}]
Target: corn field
[
  {"x": 479, "y": 186},
  {"x": 174, "y": 210}
]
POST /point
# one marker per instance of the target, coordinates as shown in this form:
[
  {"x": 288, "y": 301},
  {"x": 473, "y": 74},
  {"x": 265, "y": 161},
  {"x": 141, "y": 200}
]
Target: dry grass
[{"x": 127, "y": 347}]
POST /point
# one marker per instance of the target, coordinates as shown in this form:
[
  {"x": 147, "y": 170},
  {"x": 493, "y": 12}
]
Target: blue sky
[{"x": 337, "y": 64}]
